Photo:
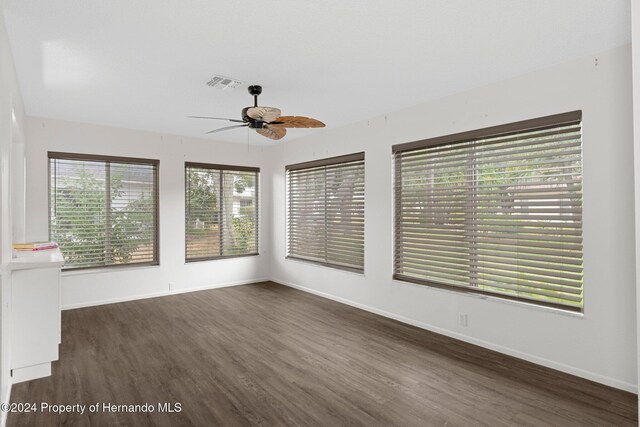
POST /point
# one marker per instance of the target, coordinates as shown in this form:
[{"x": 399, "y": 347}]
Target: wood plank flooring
[{"x": 266, "y": 354}]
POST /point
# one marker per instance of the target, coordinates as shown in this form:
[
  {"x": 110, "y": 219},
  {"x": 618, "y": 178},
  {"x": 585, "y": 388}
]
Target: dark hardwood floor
[{"x": 266, "y": 354}]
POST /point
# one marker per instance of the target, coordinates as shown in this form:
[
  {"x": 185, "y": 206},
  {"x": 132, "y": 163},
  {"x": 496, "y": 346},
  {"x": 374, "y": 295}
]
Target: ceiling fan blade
[
  {"x": 265, "y": 114},
  {"x": 297, "y": 122},
  {"x": 272, "y": 133},
  {"x": 228, "y": 127},
  {"x": 215, "y": 118}
]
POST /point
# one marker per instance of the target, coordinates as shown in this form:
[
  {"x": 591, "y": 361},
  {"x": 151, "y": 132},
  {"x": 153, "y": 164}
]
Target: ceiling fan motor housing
[
  {"x": 255, "y": 90},
  {"x": 253, "y": 123}
]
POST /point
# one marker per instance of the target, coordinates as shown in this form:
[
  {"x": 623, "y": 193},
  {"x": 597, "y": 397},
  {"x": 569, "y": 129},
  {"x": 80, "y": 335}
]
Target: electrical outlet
[
  {"x": 172, "y": 286},
  {"x": 463, "y": 319}
]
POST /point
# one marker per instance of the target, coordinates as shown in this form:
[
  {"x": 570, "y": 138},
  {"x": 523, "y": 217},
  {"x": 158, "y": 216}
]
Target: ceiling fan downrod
[{"x": 255, "y": 90}]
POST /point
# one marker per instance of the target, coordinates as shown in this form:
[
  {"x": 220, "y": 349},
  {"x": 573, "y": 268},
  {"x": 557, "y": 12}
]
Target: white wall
[
  {"x": 108, "y": 285},
  {"x": 17, "y": 178},
  {"x": 635, "y": 45},
  {"x": 11, "y": 156},
  {"x": 601, "y": 345}
]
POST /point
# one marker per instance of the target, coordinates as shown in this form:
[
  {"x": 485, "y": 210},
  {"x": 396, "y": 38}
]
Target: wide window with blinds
[
  {"x": 495, "y": 211},
  {"x": 103, "y": 210},
  {"x": 326, "y": 211},
  {"x": 221, "y": 211}
]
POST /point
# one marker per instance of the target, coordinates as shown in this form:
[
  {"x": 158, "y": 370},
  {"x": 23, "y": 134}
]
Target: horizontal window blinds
[
  {"x": 221, "y": 211},
  {"x": 103, "y": 210},
  {"x": 498, "y": 211},
  {"x": 326, "y": 211}
]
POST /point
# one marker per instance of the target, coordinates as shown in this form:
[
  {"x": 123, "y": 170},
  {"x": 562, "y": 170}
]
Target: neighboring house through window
[
  {"x": 103, "y": 210},
  {"x": 221, "y": 211}
]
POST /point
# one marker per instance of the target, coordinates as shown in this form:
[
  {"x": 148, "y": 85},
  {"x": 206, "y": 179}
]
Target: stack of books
[{"x": 35, "y": 246}]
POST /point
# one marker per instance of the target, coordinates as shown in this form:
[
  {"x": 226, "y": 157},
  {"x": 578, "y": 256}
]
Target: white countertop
[{"x": 36, "y": 259}]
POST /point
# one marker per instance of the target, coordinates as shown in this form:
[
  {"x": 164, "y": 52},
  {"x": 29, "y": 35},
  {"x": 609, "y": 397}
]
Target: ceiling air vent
[{"x": 222, "y": 82}]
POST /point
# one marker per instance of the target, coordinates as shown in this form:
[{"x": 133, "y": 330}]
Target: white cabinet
[{"x": 35, "y": 313}]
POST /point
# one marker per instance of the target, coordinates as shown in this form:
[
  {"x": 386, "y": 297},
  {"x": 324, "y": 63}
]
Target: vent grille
[{"x": 222, "y": 82}]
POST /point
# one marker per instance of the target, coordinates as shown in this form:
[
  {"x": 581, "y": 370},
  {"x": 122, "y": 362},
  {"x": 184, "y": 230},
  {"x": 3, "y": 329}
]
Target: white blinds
[
  {"x": 326, "y": 211},
  {"x": 103, "y": 210},
  {"x": 494, "y": 211},
  {"x": 221, "y": 211}
]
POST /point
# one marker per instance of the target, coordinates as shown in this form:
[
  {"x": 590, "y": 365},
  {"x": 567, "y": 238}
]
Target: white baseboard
[
  {"x": 7, "y": 400},
  {"x": 160, "y": 294},
  {"x": 612, "y": 382}
]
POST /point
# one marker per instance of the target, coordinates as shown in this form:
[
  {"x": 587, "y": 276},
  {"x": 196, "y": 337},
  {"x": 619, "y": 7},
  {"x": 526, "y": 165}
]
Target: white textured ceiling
[{"x": 143, "y": 64}]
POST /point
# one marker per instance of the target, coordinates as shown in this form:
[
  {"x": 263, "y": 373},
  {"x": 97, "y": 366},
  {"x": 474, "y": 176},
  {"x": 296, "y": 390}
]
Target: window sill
[
  {"x": 219, "y": 258},
  {"x": 102, "y": 270},
  {"x": 497, "y": 299}
]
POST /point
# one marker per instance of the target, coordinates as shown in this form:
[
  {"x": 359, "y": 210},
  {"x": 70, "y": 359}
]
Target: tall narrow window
[
  {"x": 221, "y": 211},
  {"x": 103, "y": 210},
  {"x": 495, "y": 211},
  {"x": 326, "y": 211}
]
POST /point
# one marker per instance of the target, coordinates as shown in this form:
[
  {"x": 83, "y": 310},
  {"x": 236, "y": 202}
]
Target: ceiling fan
[{"x": 267, "y": 121}]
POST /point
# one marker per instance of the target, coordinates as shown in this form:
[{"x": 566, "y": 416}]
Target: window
[
  {"x": 326, "y": 211},
  {"x": 221, "y": 211},
  {"x": 494, "y": 211},
  {"x": 103, "y": 210}
]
